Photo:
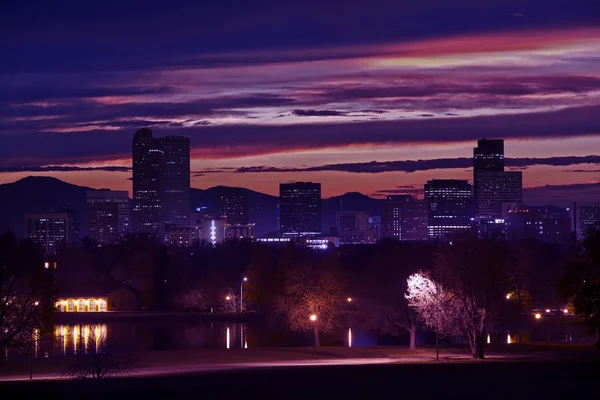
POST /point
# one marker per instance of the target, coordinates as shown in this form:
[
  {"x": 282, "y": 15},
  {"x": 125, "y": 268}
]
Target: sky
[{"x": 370, "y": 96}]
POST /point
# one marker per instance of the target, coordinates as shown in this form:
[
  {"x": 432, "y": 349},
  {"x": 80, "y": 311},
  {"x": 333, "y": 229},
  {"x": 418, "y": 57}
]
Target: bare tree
[
  {"x": 435, "y": 305},
  {"x": 230, "y": 303},
  {"x": 100, "y": 360},
  {"x": 312, "y": 300},
  {"x": 26, "y": 295}
]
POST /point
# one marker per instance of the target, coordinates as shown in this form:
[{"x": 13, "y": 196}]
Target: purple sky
[{"x": 370, "y": 96}]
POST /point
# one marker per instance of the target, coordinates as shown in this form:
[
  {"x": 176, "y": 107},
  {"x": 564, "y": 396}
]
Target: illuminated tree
[
  {"x": 192, "y": 300},
  {"x": 312, "y": 290},
  {"x": 230, "y": 303},
  {"x": 26, "y": 294},
  {"x": 435, "y": 306}
]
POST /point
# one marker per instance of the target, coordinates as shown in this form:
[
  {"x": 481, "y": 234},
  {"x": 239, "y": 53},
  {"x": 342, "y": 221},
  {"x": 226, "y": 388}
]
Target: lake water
[{"x": 154, "y": 336}]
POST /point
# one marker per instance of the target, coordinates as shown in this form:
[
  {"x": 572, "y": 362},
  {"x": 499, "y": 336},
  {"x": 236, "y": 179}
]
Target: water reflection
[
  {"x": 349, "y": 337},
  {"x": 228, "y": 338},
  {"x": 75, "y": 339}
]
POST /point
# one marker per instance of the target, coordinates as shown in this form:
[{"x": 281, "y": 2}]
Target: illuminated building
[
  {"x": 108, "y": 215},
  {"x": 353, "y": 228},
  {"x": 585, "y": 217},
  {"x": 404, "y": 218},
  {"x": 493, "y": 186},
  {"x": 176, "y": 200},
  {"x": 50, "y": 230},
  {"x": 147, "y": 184},
  {"x": 120, "y": 298},
  {"x": 449, "y": 207},
  {"x": 183, "y": 236},
  {"x": 240, "y": 231},
  {"x": 542, "y": 224},
  {"x": 300, "y": 209},
  {"x": 231, "y": 203}
]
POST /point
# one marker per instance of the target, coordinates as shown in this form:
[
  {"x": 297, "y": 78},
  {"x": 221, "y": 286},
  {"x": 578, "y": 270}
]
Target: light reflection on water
[{"x": 76, "y": 339}]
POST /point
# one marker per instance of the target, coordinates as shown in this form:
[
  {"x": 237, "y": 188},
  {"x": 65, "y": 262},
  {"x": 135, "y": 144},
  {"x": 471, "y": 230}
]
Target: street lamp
[
  {"x": 349, "y": 299},
  {"x": 313, "y": 318},
  {"x": 242, "y": 293},
  {"x": 508, "y": 296},
  {"x": 538, "y": 315},
  {"x": 228, "y": 297}
]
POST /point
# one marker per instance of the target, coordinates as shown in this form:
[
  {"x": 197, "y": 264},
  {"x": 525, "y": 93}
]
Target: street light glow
[
  {"x": 227, "y": 298},
  {"x": 538, "y": 315},
  {"x": 547, "y": 310},
  {"x": 349, "y": 299},
  {"x": 508, "y": 296},
  {"x": 313, "y": 317},
  {"x": 245, "y": 279}
]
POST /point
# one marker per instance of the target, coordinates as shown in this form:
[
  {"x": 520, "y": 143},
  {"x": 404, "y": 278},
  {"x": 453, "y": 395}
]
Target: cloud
[
  {"x": 564, "y": 195},
  {"x": 318, "y": 113},
  {"x": 61, "y": 168},
  {"x": 376, "y": 167}
]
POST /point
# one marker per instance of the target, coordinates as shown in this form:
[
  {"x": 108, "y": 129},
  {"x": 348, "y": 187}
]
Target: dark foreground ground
[{"x": 561, "y": 379}]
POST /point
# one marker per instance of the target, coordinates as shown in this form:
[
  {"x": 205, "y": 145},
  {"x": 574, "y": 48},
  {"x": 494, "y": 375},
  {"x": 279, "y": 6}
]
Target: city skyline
[{"x": 379, "y": 110}]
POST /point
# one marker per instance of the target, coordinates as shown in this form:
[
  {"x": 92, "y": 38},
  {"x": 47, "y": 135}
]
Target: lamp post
[
  {"x": 313, "y": 318},
  {"x": 242, "y": 293}
]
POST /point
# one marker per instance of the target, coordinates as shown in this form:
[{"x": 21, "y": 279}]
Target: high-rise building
[
  {"x": 300, "y": 209},
  {"x": 240, "y": 231},
  {"x": 497, "y": 188},
  {"x": 353, "y": 227},
  {"x": 50, "y": 230},
  {"x": 176, "y": 200},
  {"x": 493, "y": 186},
  {"x": 231, "y": 203},
  {"x": 147, "y": 184},
  {"x": 108, "y": 215},
  {"x": 183, "y": 236},
  {"x": 404, "y": 218},
  {"x": 449, "y": 207}
]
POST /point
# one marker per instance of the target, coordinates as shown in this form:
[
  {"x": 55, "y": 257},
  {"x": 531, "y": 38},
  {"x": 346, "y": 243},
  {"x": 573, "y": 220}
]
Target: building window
[
  {"x": 81, "y": 305},
  {"x": 70, "y": 305},
  {"x": 93, "y": 305},
  {"x": 101, "y": 305}
]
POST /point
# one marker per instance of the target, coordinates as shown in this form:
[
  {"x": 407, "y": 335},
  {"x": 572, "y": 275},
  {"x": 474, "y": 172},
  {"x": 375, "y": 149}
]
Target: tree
[
  {"x": 378, "y": 296},
  {"x": 475, "y": 272},
  {"x": 580, "y": 285},
  {"x": 192, "y": 300},
  {"x": 26, "y": 294},
  {"x": 437, "y": 307},
  {"x": 312, "y": 290}
]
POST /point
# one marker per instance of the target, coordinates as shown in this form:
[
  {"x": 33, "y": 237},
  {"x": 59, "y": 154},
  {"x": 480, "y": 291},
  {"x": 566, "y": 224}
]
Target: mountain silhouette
[{"x": 36, "y": 194}]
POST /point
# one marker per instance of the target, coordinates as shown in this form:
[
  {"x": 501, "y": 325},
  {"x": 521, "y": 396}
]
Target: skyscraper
[
  {"x": 176, "y": 201},
  {"x": 108, "y": 215},
  {"x": 353, "y": 227},
  {"x": 493, "y": 186},
  {"x": 147, "y": 184},
  {"x": 404, "y": 218},
  {"x": 300, "y": 209},
  {"x": 231, "y": 203},
  {"x": 50, "y": 230},
  {"x": 449, "y": 207}
]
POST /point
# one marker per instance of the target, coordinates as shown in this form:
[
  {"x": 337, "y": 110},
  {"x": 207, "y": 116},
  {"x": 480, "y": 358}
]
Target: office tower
[
  {"x": 449, "y": 207},
  {"x": 183, "y": 236},
  {"x": 495, "y": 189},
  {"x": 108, "y": 215},
  {"x": 404, "y": 218},
  {"x": 300, "y": 209},
  {"x": 586, "y": 217},
  {"x": 493, "y": 186},
  {"x": 544, "y": 224},
  {"x": 147, "y": 184},
  {"x": 176, "y": 200},
  {"x": 353, "y": 227},
  {"x": 50, "y": 230},
  {"x": 231, "y": 203}
]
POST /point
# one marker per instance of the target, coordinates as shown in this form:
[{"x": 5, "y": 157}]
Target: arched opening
[{"x": 93, "y": 305}]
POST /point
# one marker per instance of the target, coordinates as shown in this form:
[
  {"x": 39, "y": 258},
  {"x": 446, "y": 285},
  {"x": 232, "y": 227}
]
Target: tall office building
[
  {"x": 108, "y": 215},
  {"x": 147, "y": 184},
  {"x": 176, "y": 200},
  {"x": 300, "y": 209},
  {"x": 586, "y": 216},
  {"x": 493, "y": 186},
  {"x": 546, "y": 225},
  {"x": 404, "y": 218},
  {"x": 495, "y": 189},
  {"x": 231, "y": 203},
  {"x": 449, "y": 207},
  {"x": 353, "y": 227},
  {"x": 50, "y": 230}
]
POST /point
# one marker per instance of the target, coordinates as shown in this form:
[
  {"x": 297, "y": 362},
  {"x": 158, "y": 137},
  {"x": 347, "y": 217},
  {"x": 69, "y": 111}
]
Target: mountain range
[{"x": 36, "y": 194}]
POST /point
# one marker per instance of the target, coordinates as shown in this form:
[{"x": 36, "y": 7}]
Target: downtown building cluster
[{"x": 161, "y": 206}]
